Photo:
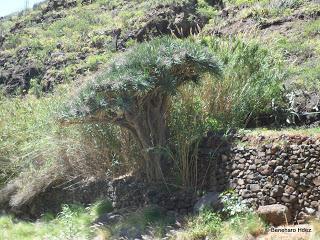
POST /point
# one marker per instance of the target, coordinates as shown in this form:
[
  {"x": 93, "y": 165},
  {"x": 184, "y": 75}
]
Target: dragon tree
[{"x": 134, "y": 89}]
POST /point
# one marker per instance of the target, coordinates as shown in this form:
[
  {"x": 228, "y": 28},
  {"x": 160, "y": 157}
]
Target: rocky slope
[
  {"x": 38, "y": 44},
  {"x": 60, "y": 41}
]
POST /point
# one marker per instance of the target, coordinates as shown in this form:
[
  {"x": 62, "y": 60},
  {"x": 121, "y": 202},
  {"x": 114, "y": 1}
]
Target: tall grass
[
  {"x": 250, "y": 87},
  {"x": 34, "y": 146},
  {"x": 188, "y": 122},
  {"x": 27, "y": 133},
  {"x": 206, "y": 225}
]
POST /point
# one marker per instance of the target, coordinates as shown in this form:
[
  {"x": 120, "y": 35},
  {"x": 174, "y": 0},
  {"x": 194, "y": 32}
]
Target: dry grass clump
[{"x": 37, "y": 152}]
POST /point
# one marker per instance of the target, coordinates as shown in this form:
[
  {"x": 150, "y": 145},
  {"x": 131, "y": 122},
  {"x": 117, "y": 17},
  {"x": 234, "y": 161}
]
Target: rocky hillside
[
  {"x": 60, "y": 40},
  {"x": 290, "y": 27}
]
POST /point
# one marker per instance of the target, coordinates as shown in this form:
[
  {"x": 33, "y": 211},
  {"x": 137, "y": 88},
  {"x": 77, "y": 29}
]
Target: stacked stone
[
  {"x": 126, "y": 193},
  {"x": 287, "y": 174}
]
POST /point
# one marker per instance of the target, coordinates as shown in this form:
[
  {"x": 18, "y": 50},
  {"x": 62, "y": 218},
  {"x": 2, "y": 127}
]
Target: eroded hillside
[{"x": 60, "y": 40}]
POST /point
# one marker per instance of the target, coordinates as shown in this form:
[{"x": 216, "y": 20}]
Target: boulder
[
  {"x": 275, "y": 214},
  {"x": 6, "y": 193},
  {"x": 209, "y": 201}
]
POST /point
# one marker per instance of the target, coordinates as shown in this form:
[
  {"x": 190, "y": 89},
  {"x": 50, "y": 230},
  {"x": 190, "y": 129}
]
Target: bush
[
  {"x": 102, "y": 207},
  {"x": 206, "y": 10},
  {"x": 209, "y": 225},
  {"x": 232, "y": 206},
  {"x": 93, "y": 61},
  {"x": 151, "y": 220},
  {"x": 152, "y": 214}
]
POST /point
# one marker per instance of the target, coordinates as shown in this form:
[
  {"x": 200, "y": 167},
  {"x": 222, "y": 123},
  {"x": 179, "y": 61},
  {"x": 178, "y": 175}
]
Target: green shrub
[
  {"x": 72, "y": 223},
  {"x": 206, "y": 10},
  {"x": 93, "y": 61},
  {"x": 313, "y": 28},
  {"x": 152, "y": 214},
  {"x": 102, "y": 207},
  {"x": 205, "y": 225},
  {"x": 232, "y": 206},
  {"x": 151, "y": 220},
  {"x": 249, "y": 87},
  {"x": 284, "y": 4},
  {"x": 12, "y": 41}
]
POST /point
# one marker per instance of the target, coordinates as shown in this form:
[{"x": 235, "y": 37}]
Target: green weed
[{"x": 72, "y": 223}]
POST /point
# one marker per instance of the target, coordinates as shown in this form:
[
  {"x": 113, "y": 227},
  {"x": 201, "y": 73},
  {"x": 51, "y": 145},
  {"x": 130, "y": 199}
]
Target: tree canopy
[{"x": 133, "y": 91}]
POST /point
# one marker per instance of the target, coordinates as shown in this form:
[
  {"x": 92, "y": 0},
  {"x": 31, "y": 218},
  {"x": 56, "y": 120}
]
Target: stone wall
[
  {"x": 262, "y": 170},
  {"x": 124, "y": 192},
  {"x": 269, "y": 170}
]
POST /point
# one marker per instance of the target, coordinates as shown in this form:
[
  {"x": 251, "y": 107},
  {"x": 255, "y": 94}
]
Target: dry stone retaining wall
[
  {"x": 262, "y": 170},
  {"x": 270, "y": 170},
  {"x": 123, "y": 193}
]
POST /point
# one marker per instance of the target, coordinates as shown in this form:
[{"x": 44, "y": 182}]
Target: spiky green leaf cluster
[{"x": 163, "y": 63}]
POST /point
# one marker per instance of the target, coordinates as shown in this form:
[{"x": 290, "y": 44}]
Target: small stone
[
  {"x": 273, "y": 162},
  {"x": 316, "y": 181},
  {"x": 288, "y": 199},
  {"x": 288, "y": 189},
  {"x": 278, "y": 169},
  {"x": 291, "y": 182},
  {"x": 240, "y": 149},
  {"x": 210, "y": 200},
  {"x": 235, "y": 172},
  {"x": 241, "y": 166},
  {"x": 254, "y": 187},
  {"x": 277, "y": 191},
  {"x": 224, "y": 157},
  {"x": 246, "y": 193},
  {"x": 294, "y": 175},
  {"x": 240, "y": 181},
  {"x": 310, "y": 211},
  {"x": 250, "y": 176},
  {"x": 315, "y": 204},
  {"x": 253, "y": 167},
  {"x": 257, "y": 161},
  {"x": 272, "y": 200},
  {"x": 310, "y": 176},
  {"x": 242, "y": 160},
  {"x": 265, "y": 170},
  {"x": 302, "y": 217}
]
